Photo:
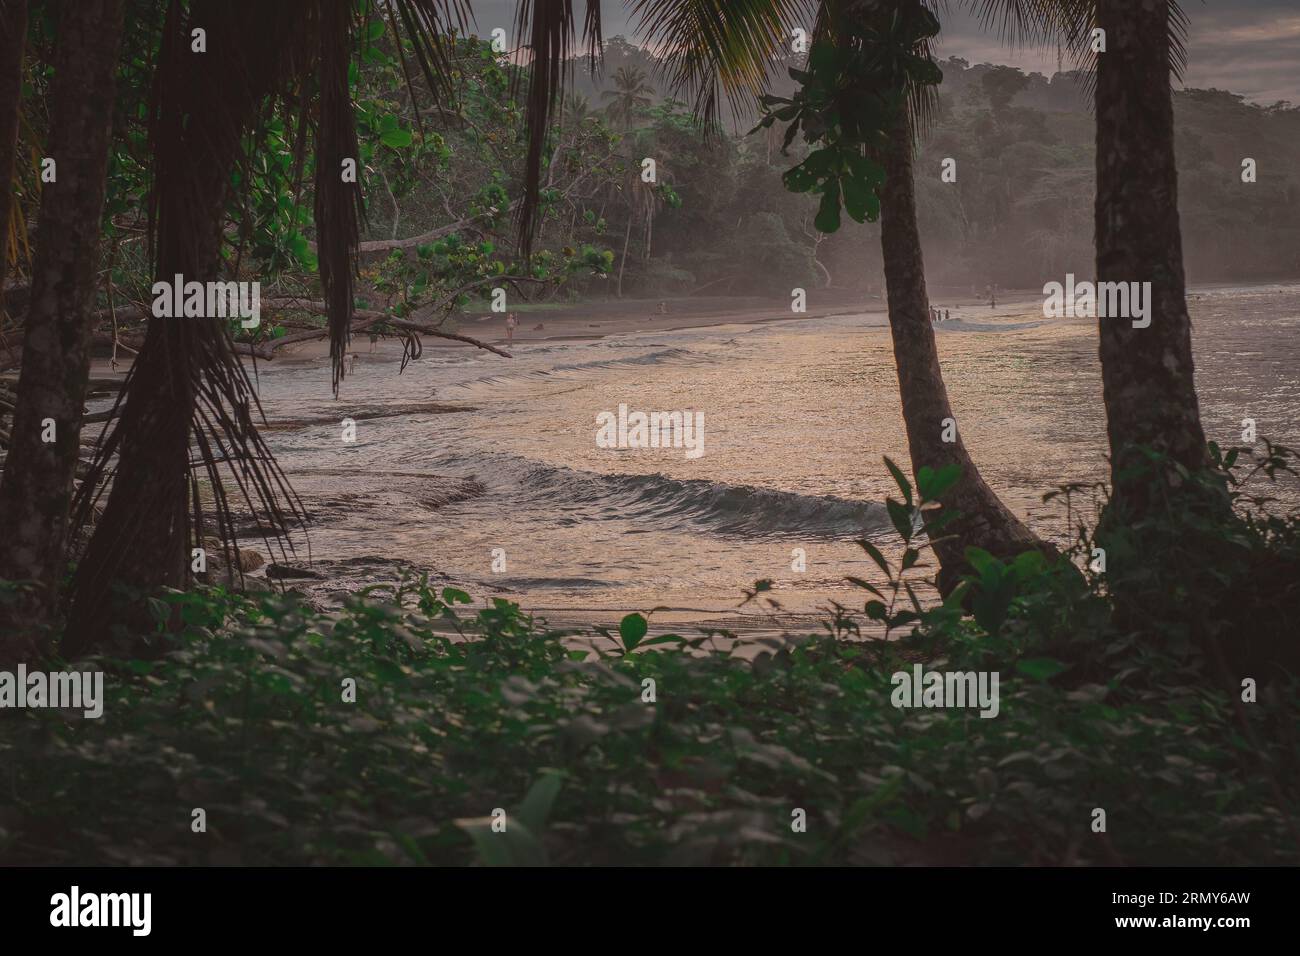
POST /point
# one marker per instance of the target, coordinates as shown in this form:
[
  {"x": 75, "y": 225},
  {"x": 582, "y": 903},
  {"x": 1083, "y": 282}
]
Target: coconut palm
[
  {"x": 715, "y": 48},
  {"x": 577, "y": 109},
  {"x": 718, "y": 50},
  {"x": 1147, "y": 373},
  {"x": 187, "y": 388},
  {"x": 630, "y": 95}
]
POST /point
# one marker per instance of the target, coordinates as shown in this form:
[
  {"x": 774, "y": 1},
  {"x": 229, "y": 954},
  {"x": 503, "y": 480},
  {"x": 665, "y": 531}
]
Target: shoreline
[{"x": 596, "y": 320}]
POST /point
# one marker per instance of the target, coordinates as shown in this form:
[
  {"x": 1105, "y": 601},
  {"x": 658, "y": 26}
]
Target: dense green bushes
[{"x": 457, "y": 714}]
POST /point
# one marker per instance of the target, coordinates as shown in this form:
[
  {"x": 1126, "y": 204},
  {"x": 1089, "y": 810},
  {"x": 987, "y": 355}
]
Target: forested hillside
[{"x": 1021, "y": 207}]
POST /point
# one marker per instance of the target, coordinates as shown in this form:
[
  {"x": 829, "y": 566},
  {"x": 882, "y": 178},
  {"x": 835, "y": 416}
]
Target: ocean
[{"x": 487, "y": 469}]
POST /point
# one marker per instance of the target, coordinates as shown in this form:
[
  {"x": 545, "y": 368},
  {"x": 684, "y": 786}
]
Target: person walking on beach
[{"x": 511, "y": 322}]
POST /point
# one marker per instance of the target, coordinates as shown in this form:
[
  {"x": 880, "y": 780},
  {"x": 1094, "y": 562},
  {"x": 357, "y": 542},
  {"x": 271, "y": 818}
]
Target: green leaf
[
  {"x": 632, "y": 629},
  {"x": 515, "y": 847},
  {"x": 828, "y": 213},
  {"x": 983, "y": 562},
  {"x": 860, "y": 200},
  {"x": 932, "y": 484},
  {"x": 865, "y": 585},
  {"x": 874, "y": 553},
  {"x": 160, "y": 611},
  {"x": 901, "y": 517},
  {"x": 899, "y": 479},
  {"x": 453, "y": 596},
  {"x": 396, "y": 138},
  {"x": 799, "y": 179}
]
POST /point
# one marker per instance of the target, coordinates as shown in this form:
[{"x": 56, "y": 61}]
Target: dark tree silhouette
[
  {"x": 1147, "y": 373},
  {"x": 36, "y": 488}
]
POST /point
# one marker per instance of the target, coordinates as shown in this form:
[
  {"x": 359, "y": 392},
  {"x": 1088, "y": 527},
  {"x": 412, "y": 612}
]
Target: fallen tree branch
[{"x": 363, "y": 319}]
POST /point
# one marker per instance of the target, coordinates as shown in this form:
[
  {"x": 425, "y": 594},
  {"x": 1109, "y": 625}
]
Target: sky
[{"x": 1251, "y": 47}]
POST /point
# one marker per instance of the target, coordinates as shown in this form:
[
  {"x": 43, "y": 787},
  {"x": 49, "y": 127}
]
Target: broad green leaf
[
  {"x": 904, "y": 485},
  {"x": 632, "y": 629},
  {"x": 931, "y": 483},
  {"x": 396, "y": 138},
  {"x": 901, "y": 517},
  {"x": 828, "y": 213}
]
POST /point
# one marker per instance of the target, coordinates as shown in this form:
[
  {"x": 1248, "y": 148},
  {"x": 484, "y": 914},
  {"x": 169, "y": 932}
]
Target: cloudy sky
[{"x": 1250, "y": 47}]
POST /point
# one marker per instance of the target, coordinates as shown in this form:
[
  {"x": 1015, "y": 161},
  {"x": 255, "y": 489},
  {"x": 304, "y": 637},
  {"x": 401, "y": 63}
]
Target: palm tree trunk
[
  {"x": 985, "y": 521},
  {"x": 186, "y": 379},
  {"x": 36, "y": 489},
  {"x": 1146, "y": 372},
  {"x": 13, "y": 33}
]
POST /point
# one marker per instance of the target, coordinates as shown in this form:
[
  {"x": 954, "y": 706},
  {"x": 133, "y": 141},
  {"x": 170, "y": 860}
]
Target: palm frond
[
  {"x": 715, "y": 49},
  {"x": 551, "y": 30},
  {"x": 1067, "y": 25},
  {"x": 338, "y": 206},
  {"x": 427, "y": 24},
  {"x": 187, "y": 386}
]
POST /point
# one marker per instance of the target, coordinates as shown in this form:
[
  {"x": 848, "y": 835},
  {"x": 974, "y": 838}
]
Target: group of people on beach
[{"x": 938, "y": 315}]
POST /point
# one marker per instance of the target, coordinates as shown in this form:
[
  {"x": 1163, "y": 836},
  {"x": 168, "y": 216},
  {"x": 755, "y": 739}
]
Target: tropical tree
[
  {"x": 630, "y": 95},
  {"x": 1129, "y": 50},
  {"x": 1147, "y": 369},
  {"x": 187, "y": 386},
  {"x": 36, "y": 486},
  {"x": 577, "y": 108},
  {"x": 875, "y": 59}
]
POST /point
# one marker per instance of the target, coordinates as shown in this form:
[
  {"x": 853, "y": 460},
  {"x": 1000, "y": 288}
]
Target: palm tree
[
  {"x": 1161, "y": 505},
  {"x": 188, "y": 388},
  {"x": 1147, "y": 373},
  {"x": 728, "y": 47},
  {"x": 630, "y": 95},
  {"x": 37, "y": 483},
  {"x": 712, "y": 49},
  {"x": 983, "y": 520},
  {"x": 577, "y": 108}
]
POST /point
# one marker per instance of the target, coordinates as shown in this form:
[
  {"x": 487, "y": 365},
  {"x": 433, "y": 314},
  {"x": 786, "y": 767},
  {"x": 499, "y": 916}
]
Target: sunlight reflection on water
[{"x": 798, "y": 416}]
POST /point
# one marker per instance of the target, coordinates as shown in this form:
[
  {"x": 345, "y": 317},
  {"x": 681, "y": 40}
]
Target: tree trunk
[
  {"x": 13, "y": 33},
  {"x": 183, "y": 373},
  {"x": 984, "y": 521},
  {"x": 36, "y": 489},
  {"x": 622, "y": 263},
  {"x": 1146, "y": 372}
]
